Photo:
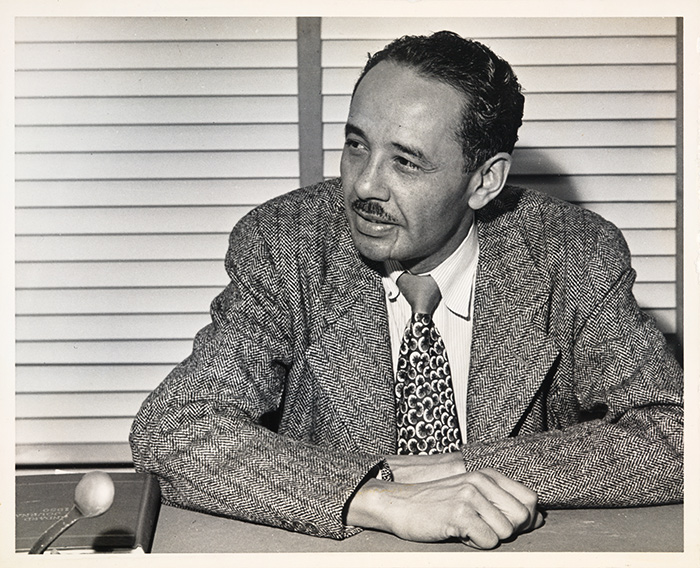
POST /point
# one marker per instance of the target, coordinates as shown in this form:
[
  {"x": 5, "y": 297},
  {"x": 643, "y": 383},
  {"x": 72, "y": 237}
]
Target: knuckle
[
  {"x": 520, "y": 516},
  {"x": 477, "y": 476},
  {"x": 468, "y": 492},
  {"x": 530, "y": 499}
]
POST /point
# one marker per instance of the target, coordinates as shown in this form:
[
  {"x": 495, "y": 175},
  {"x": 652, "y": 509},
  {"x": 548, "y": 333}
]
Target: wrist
[
  {"x": 368, "y": 506},
  {"x": 419, "y": 469}
]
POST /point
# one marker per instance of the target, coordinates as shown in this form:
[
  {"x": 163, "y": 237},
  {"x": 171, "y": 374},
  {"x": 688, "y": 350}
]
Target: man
[{"x": 533, "y": 376}]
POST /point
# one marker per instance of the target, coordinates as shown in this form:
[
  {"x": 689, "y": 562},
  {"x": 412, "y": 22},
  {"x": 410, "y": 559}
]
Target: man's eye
[
  {"x": 353, "y": 144},
  {"x": 407, "y": 164}
]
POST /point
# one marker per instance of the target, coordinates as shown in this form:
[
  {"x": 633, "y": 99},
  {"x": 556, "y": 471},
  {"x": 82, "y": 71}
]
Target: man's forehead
[
  {"x": 415, "y": 107},
  {"x": 388, "y": 73}
]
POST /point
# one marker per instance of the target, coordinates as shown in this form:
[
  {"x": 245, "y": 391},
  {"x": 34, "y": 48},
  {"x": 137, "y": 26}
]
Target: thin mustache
[{"x": 372, "y": 208}]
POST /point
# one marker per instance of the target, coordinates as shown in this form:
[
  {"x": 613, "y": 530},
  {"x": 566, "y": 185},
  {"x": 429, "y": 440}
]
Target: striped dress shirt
[{"x": 455, "y": 277}]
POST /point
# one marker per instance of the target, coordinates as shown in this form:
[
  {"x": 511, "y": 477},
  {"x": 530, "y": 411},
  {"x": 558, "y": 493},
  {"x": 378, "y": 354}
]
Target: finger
[
  {"x": 525, "y": 496},
  {"x": 522, "y": 493},
  {"x": 539, "y": 520},
  {"x": 519, "y": 514},
  {"x": 479, "y": 534},
  {"x": 483, "y": 511},
  {"x": 481, "y": 546}
]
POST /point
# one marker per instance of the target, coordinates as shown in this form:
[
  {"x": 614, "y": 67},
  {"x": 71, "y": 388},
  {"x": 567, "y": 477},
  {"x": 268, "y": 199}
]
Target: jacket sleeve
[
  {"x": 200, "y": 430},
  {"x": 615, "y": 408}
]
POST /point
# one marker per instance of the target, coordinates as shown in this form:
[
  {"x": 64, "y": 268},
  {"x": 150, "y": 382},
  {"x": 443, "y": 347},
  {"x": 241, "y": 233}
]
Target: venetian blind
[
  {"x": 599, "y": 127},
  {"x": 139, "y": 143}
]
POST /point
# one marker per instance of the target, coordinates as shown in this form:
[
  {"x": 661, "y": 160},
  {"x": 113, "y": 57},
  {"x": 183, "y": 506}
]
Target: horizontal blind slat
[
  {"x": 157, "y": 138},
  {"x": 155, "y": 83},
  {"x": 655, "y": 268},
  {"x": 209, "y": 273},
  {"x": 117, "y": 220},
  {"x": 98, "y": 453},
  {"x": 157, "y": 110},
  {"x": 121, "y": 247},
  {"x": 649, "y": 187},
  {"x": 151, "y": 54},
  {"x": 116, "y": 301},
  {"x": 651, "y": 242},
  {"x": 143, "y": 165},
  {"x": 109, "y": 327},
  {"x": 67, "y": 431},
  {"x": 636, "y": 215},
  {"x": 143, "y": 300},
  {"x": 123, "y": 352},
  {"x": 100, "y": 29},
  {"x": 89, "y": 378},
  {"x": 665, "y": 320},
  {"x": 153, "y": 192},
  {"x": 77, "y": 405},
  {"x": 655, "y": 295},
  {"x": 597, "y": 106},
  {"x": 612, "y": 133},
  {"x": 126, "y": 193},
  {"x": 102, "y": 352}
]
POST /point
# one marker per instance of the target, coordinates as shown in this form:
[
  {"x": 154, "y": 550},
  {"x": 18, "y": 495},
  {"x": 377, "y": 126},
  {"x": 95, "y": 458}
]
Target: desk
[{"x": 649, "y": 529}]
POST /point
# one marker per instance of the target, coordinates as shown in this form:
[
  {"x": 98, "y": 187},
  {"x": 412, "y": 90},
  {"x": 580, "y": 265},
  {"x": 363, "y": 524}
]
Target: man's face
[{"x": 405, "y": 188}]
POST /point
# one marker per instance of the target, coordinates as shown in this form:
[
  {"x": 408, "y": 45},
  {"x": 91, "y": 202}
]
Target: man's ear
[{"x": 488, "y": 180}]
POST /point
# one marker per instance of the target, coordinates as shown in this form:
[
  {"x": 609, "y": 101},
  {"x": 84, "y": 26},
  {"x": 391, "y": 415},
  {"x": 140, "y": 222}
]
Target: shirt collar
[{"x": 454, "y": 276}]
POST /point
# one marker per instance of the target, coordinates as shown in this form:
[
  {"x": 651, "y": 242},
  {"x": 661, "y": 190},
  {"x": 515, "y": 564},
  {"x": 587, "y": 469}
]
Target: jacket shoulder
[
  {"x": 307, "y": 205},
  {"x": 302, "y": 215},
  {"x": 554, "y": 227}
]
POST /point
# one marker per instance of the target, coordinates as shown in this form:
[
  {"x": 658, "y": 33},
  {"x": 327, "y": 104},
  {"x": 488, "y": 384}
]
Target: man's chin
[{"x": 372, "y": 248}]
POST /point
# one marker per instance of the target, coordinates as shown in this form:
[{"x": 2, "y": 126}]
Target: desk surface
[{"x": 649, "y": 529}]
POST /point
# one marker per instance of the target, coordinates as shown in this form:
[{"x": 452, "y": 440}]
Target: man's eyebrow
[{"x": 352, "y": 129}]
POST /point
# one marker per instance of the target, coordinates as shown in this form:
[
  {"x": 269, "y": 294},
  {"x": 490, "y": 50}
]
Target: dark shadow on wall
[{"x": 534, "y": 169}]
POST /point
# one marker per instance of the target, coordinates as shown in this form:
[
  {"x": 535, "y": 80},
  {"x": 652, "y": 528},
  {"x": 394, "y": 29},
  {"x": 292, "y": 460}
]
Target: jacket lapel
[
  {"x": 511, "y": 351},
  {"x": 351, "y": 356}
]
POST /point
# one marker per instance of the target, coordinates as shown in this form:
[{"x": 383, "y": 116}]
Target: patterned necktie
[{"x": 425, "y": 406}]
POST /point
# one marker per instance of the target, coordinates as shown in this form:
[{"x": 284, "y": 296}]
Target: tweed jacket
[{"x": 572, "y": 390}]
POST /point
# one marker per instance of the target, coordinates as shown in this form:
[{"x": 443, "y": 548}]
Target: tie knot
[{"x": 421, "y": 292}]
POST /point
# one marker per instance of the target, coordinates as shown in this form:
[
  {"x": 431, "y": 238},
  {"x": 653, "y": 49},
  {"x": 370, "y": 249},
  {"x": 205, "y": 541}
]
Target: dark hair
[{"x": 493, "y": 108}]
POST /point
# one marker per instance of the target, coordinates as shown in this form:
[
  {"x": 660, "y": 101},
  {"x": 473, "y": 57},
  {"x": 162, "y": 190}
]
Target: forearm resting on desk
[{"x": 482, "y": 508}]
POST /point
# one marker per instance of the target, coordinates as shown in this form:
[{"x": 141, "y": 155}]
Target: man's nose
[{"x": 370, "y": 182}]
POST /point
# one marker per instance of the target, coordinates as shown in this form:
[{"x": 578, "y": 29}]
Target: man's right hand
[{"x": 482, "y": 508}]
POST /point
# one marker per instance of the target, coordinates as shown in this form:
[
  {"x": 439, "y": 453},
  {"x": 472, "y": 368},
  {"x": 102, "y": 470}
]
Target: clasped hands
[{"x": 432, "y": 498}]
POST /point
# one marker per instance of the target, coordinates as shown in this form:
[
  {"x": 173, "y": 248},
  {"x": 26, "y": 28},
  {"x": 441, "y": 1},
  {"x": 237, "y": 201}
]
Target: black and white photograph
[{"x": 414, "y": 277}]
